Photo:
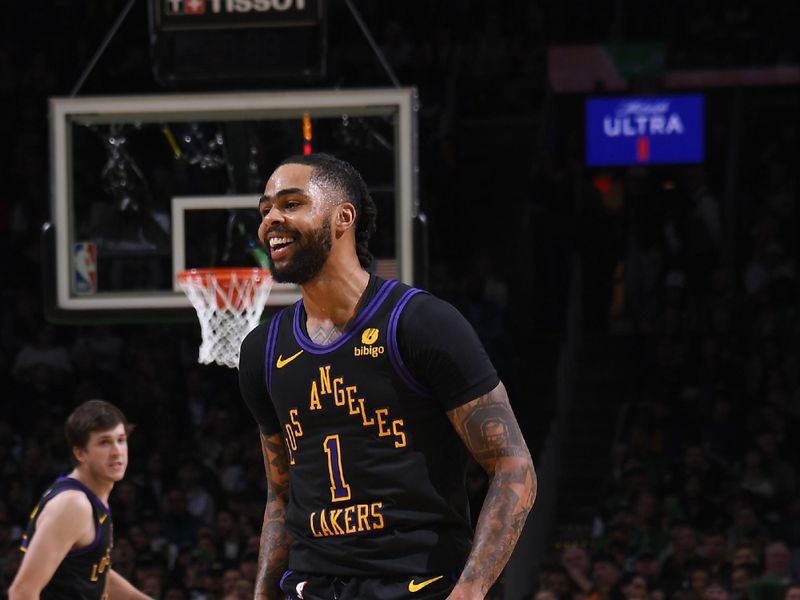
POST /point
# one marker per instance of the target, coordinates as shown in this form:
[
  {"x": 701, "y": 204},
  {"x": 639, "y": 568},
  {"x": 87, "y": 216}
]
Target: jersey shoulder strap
[{"x": 395, "y": 356}]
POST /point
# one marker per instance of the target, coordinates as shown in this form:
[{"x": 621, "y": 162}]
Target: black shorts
[{"x": 300, "y": 586}]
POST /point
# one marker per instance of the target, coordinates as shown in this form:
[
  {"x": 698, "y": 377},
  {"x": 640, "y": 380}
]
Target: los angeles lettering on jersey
[{"x": 345, "y": 397}]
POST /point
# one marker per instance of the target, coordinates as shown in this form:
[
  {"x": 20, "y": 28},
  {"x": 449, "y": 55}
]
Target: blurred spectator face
[
  {"x": 545, "y": 595},
  {"x": 744, "y": 555},
  {"x": 657, "y": 595},
  {"x": 746, "y": 518},
  {"x": 122, "y": 554},
  {"x": 244, "y": 587},
  {"x": 739, "y": 580},
  {"x": 576, "y": 558},
  {"x": 176, "y": 502},
  {"x": 152, "y": 586},
  {"x": 636, "y": 589},
  {"x": 225, "y": 524},
  {"x": 229, "y": 581},
  {"x": 714, "y": 547},
  {"x": 155, "y": 464},
  {"x": 213, "y": 582},
  {"x": 557, "y": 582},
  {"x": 139, "y": 538},
  {"x": 127, "y": 493},
  {"x": 175, "y": 594},
  {"x": 777, "y": 560},
  {"x": 694, "y": 458},
  {"x": 792, "y": 593},
  {"x": 698, "y": 581},
  {"x": 605, "y": 574},
  {"x": 253, "y": 542},
  {"x": 249, "y": 567},
  {"x": 646, "y": 506},
  {"x": 647, "y": 566},
  {"x": 715, "y": 592},
  {"x": 684, "y": 538}
]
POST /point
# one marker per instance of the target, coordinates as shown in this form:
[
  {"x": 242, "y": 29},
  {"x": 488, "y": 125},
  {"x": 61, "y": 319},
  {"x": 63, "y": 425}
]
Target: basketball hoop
[{"x": 228, "y": 304}]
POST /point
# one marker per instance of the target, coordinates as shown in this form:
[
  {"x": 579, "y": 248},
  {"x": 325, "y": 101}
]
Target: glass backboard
[{"x": 144, "y": 187}]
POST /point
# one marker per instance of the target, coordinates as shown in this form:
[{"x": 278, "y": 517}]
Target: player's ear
[
  {"x": 79, "y": 454},
  {"x": 345, "y": 217}
]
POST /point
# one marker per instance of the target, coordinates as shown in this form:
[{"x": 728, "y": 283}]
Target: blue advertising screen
[{"x": 644, "y": 130}]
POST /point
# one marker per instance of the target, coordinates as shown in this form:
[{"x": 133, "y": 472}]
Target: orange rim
[{"x": 223, "y": 274}]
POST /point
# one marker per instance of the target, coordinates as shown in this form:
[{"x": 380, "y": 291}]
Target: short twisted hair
[{"x": 342, "y": 176}]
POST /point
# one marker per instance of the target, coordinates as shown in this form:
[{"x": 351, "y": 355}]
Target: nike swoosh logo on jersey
[
  {"x": 282, "y": 362},
  {"x": 413, "y": 586},
  {"x": 103, "y": 519}
]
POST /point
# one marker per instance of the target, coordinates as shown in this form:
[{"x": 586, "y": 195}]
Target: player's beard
[{"x": 309, "y": 257}]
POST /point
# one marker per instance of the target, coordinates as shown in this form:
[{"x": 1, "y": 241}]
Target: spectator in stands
[
  {"x": 699, "y": 576},
  {"x": 678, "y": 557},
  {"x": 792, "y": 592},
  {"x": 712, "y": 547},
  {"x": 578, "y": 566},
  {"x": 716, "y": 591},
  {"x": 741, "y": 576},
  {"x": 646, "y": 565},
  {"x": 199, "y": 501},
  {"x": 630, "y": 586},
  {"x": 180, "y": 526},
  {"x": 778, "y": 562},
  {"x": 554, "y": 577},
  {"x": 545, "y": 594},
  {"x": 605, "y": 574},
  {"x": 44, "y": 362},
  {"x": 747, "y": 527},
  {"x": 124, "y": 558}
]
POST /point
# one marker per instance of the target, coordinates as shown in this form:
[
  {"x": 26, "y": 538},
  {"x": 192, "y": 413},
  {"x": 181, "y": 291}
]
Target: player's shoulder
[
  {"x": 256, "y": 339},
  {"x": 68, "y": 503},
  {"x": 424, "y": 303}
]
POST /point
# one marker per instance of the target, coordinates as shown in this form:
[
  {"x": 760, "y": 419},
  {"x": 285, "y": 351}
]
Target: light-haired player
[{"x": 67, "y": 545}]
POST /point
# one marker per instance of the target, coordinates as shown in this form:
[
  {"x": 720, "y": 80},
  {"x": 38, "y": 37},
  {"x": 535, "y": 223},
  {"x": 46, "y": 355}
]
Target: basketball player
[
  {"x": 67, "y": 546},
  {"x": 368, "y": 394}
]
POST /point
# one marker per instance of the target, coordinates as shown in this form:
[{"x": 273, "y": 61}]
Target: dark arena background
[{"x": 608, "y": 191}]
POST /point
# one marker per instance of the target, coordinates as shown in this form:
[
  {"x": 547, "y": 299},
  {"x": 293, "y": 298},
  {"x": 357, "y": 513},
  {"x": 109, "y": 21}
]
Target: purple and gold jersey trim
[
  {"x": 394, "y": 350},
  {"x": 272, "y": 336},
  {"x": 366, "y": 314}
]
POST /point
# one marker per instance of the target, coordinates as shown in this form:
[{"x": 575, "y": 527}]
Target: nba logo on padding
[{"x": 85, "y": 268}]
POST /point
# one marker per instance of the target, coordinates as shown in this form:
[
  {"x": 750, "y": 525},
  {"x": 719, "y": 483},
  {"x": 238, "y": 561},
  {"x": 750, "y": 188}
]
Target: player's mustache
[{"x": 280, "y": 229}]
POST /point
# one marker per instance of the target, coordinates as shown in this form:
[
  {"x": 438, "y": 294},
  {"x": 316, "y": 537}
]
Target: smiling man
[
  {"x": 69, "y": 538},
  {"x": 369, "y": 396}
]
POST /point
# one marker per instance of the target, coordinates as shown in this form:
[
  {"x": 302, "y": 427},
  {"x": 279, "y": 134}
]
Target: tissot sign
[
  {"x": 644, "y": 130},
  {"x": 212, "y": 14}
]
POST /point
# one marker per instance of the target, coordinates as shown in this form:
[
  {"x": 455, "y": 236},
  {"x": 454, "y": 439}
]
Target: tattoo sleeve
[
  {"x": 273, "y": 556},
  {"x": 492, "y": 435}
]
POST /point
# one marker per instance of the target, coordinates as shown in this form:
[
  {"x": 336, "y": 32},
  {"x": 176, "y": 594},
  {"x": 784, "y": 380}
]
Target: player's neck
[
  {"x": 333, "y": 296},
  {"x": 101, "y": 489}
]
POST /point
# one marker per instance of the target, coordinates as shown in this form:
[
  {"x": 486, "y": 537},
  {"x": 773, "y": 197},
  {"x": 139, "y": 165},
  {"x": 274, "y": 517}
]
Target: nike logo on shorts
[
  {"x": 413, "y": 586},
  {"x": 282, "y": 362}
]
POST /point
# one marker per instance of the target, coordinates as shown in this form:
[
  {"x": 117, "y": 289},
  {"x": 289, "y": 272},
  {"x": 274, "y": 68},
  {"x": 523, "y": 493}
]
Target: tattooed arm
[
  {"x": 491, "y": 433},
  {"x": 273, "y": 555}
]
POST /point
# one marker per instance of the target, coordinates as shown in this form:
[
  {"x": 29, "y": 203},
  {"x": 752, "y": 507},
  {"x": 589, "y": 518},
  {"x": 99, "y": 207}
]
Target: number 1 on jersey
[{"x": 339, "y": 488}]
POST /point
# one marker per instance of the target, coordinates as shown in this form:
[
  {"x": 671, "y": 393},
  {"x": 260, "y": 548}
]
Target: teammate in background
[
  {"x": 367, "y": 394},
  {"x": 67, "y": 546}
]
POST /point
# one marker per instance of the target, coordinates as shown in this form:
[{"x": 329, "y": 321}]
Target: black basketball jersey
[
  {"x": 376, "y": 469},
  {"x": 83, "y": 572}
]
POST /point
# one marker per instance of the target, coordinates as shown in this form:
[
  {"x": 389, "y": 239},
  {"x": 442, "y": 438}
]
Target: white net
[{"x": 229, "y": 303}]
